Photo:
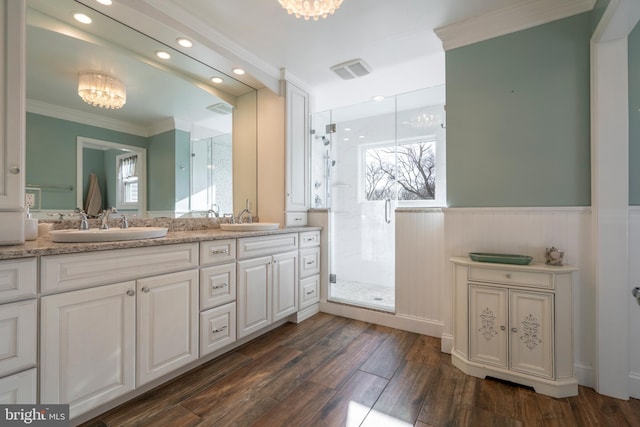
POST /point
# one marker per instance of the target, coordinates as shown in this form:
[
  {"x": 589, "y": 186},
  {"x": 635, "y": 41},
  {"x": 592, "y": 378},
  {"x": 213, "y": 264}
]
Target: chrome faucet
[
  {"x": 243, "y": 212},
  {"x": 105, "y": 218},
  {"x": 213, "y": 212},
  {"x": 84, "y": 222}
]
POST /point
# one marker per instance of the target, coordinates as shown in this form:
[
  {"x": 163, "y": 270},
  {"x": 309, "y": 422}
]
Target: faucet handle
[
  {"x": 124, "y": 223},
  {"x": 84, "y": 223}
]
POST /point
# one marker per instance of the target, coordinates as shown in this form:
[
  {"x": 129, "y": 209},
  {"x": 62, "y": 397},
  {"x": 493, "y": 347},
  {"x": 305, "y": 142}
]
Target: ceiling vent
[
  {"x": 352, "y": 69},
  {"x": 221, "y": 108}
]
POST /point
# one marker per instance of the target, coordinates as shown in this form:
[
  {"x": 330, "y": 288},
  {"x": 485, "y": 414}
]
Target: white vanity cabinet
[
  {"x": 309, "y": 286},
  {"x": 267, "y": 284},
  {"x": 12, "y": 115},
  {"x": 297, "y": 142},
  {"x": 18, "y": 331},
  {"x": 101, "y": 342},
  {"x": 218, "y": 291},
  {"x": 515, "y": 323}
]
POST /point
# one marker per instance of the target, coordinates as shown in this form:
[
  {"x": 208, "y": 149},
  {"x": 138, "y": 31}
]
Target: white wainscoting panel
[
  {"x": 420, "y": 264},
  {"x": 528, "y": 231}
]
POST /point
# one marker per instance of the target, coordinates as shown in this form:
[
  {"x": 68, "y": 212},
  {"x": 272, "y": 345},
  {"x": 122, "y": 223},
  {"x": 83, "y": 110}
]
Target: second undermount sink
[
  {"x": 250, "y": 226},
  {"x": 109, "y": 235}
]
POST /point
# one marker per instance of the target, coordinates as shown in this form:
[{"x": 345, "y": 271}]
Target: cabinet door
[
  {"x": 87, "y": 354},
  {"x": 19, "y": 388},
  {"x": 531, "y": 341},
  {"x": 309, "y": 291},
  {"x": 285, "y": 280},
  {"x": 488, "y": 325},
  {"x": 12, "y": 109},
  {"x": 254, "y": 295},
  {"x": 167, "y": 323},
  {"x": 296, "y": 161}
]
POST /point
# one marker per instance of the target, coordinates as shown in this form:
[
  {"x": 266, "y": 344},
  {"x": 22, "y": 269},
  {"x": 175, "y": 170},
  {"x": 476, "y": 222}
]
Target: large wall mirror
[{"x": 189, "y": 130}]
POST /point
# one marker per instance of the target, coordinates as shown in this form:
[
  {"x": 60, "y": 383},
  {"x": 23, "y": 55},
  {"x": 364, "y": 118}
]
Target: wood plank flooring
[{"x": 332, "y": 371}]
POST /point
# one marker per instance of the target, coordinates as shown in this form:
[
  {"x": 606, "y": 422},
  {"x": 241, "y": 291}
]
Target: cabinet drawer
[
  {"x": 217, "y": 251},
  {"x": 19, "y": 388},
  {"x": 17, "y": 279},
  {"x": 217, "y": 328},
  {"x": 17, "y": 336},
  {"x": 309, "y": 291},
  {"x": 309, "y": 262},
  {"x": 217, "y": 285},
  {"x": 309, "y": 239},
  {"x": 537, "y": 279},
  {"x": 266, "y": 245},
  {"x": 63, "y": 272}
]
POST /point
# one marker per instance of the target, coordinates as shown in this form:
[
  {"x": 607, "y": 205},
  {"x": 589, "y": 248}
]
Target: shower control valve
[{"x": 636, "y": 293}]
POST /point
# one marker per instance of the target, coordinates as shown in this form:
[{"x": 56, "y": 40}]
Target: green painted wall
[
  {"x": 183, "y": 169},
  {"x": 51, "y": 155},
  {"x": 634, "y": 116},
  {"x": 518, "y": 131},
  {"x": 161, "y": 172}
]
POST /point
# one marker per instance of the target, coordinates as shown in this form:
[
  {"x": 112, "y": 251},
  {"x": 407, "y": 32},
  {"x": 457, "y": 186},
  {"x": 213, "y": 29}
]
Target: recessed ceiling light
[
  {"x": 162, "y": 54},
  {"x": 105, "y": 2},
  {"x": 82, "y": 18},
  {"x": 217, "y": 80},
  {"x": 361, "y": 137},
  {"x": 238, "y": 71},
  {"x": 347, "y": 129},
  {"x": 184, "y": 42},
  {"x": 378, "y": 98},
  {"x": 346, "y": 139}
]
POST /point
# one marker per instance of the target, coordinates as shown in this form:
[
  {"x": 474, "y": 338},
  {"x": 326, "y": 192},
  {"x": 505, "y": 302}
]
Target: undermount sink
[
  {"x": 251, "y": 226},
  {"x": 109, "y": 235}
]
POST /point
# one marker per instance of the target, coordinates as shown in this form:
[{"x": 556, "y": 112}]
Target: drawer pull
[
  {"x": 223, "y": 285},
  {"x": 219, "y": 251},
  {"x": 297, "y": 219},
  {"x": 508, "y": 275},
  {"x": 311, "y": 292},
  {"x": 215, "y": 331},
  {"x": 310, "y": 239},
  {"x": 310, "y": 262}
]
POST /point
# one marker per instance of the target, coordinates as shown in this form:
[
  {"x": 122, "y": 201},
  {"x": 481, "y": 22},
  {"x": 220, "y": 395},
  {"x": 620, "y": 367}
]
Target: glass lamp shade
[
  {"x": 101, "y": 90},
  {"x": 310, "y": 8}
]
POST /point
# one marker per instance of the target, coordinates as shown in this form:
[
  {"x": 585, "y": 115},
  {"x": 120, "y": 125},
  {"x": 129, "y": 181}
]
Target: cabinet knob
[
  {"x": 502, "y": 328},
  {"x": 145, "y": 289},
  {"x": 514, "y": 330},
  {"x": 131, "y": 292},
  {"x": 508, "y": 275},
  {"x": 14, "y": 170}
]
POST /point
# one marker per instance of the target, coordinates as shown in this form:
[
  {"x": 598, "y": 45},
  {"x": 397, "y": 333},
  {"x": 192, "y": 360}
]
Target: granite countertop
[{"x": 44, "y": 246}]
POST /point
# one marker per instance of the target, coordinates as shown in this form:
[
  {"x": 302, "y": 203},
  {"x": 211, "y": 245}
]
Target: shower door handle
[{"x": 387, "y": 211}]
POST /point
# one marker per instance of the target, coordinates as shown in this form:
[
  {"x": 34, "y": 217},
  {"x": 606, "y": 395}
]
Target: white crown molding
[
  {"x": 64, "y": 113},
  {"x": 508, "y": 20}
]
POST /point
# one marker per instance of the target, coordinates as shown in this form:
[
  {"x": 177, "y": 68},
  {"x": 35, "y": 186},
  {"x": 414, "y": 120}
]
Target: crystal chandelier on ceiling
[
  {"x": 101, "y": 90},
  {"x": 310, "y": 8}
]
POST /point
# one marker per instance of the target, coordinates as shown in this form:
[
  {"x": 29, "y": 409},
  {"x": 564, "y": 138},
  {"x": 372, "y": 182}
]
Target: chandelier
[
  {"x": 101, "y": 90},
  {"x": 310, "y": 8},
  {"x": 424, "y": 121}
]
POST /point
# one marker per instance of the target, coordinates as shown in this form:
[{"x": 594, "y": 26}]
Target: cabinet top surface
[
  {"x": 44, "y": 246},
  {"x": 531, "y": 267}
]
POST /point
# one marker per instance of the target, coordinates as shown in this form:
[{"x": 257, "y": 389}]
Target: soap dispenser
[{"x": 30, "y": 227}]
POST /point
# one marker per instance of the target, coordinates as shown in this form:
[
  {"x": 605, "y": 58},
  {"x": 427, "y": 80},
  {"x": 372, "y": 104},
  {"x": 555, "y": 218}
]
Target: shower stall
[{"x": 367, "y": 160}]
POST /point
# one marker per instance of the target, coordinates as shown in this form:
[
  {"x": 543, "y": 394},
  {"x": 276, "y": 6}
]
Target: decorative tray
[{"x": 500, "y": 258}]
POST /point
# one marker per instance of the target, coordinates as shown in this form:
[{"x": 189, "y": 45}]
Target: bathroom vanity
[
  {"x": 514, "y": 322},
  {"x": 118, "y": 318}
]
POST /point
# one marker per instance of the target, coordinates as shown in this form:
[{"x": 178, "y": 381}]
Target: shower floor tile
[{"x": 370, "y": 295}]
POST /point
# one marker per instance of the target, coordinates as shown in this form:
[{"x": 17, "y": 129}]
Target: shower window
[
  {"x": 408, "y": 168},
  {"x": 127, "y": 196}
]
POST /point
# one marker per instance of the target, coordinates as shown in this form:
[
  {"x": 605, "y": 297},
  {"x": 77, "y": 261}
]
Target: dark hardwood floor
[{"x": 332, "y": 371}]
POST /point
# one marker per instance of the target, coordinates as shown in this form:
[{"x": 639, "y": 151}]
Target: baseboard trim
[
  {"x": 634, "y": 385},
  {"x": 584, "y": 374},
  {"x": 446, "y": 343},
  {"x": 432, "y": 328}
]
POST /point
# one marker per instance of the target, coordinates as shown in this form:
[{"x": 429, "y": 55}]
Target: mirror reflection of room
[{"x": 84, "y": 85}]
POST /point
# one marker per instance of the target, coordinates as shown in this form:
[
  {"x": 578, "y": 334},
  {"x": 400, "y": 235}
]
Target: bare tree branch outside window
[{"x": 413, "y": 171}]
